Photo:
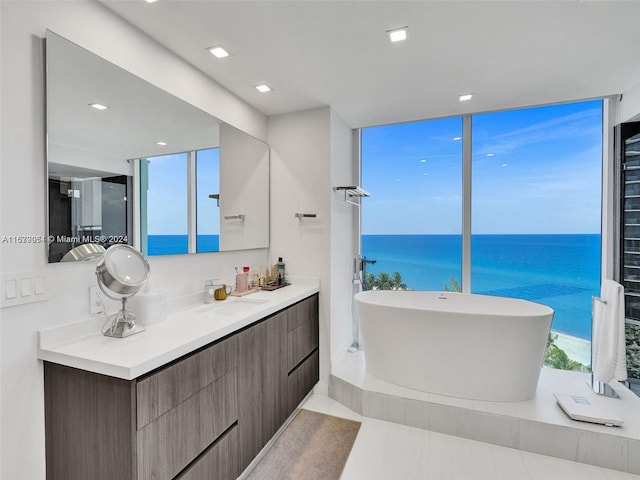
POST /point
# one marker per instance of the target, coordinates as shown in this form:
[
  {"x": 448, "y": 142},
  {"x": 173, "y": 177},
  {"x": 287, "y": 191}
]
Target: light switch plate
[
  {"x": 19, "y": 288},
  {"x": 25, "y": 287},
  {"x": 11, "y": 289},
  {"x": 38, "y": 285}
]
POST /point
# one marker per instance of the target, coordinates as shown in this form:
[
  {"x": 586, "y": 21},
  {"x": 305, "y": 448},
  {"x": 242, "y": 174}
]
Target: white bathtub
[{"x": 455, "y": 344}]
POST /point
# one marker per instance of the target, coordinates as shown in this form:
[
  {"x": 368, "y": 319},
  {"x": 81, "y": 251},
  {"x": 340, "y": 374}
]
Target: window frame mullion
[
  {"x": 191, "y": 202},
  {"x": 466, "y": 203}
]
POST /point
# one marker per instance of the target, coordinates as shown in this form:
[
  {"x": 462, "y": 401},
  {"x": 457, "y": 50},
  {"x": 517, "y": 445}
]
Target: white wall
[
  {"x": 311, "y": 153},
  {"x": 343, "y": 242},
  {"x": 629, "y": 106},
  {"x": 300, "y": 182},
  {"x": 23, "y": 202}
]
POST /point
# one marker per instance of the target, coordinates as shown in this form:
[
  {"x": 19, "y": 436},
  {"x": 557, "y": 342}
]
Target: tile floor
[
  {"x": 389, "y": 451},
  {"x": 537, "y": 425}
]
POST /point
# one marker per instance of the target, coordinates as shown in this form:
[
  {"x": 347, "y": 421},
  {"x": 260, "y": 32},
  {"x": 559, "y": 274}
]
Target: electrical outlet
[{"x": 95, "y": 301}]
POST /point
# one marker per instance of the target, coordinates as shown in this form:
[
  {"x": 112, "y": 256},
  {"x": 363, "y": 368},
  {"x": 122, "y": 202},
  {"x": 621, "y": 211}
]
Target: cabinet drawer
[
  {"x": 301, "y": 312},
  {"x": 219, "y": 462},
  {"x": 168, "y": 444},
  {"x": 302, "y": 379},
  {"x": 301, "y": 342},
  {"x": 163, "y": 390}
]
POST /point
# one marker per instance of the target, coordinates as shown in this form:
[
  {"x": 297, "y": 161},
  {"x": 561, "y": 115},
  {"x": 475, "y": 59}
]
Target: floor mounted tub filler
[{"x": 461, "y": 345}]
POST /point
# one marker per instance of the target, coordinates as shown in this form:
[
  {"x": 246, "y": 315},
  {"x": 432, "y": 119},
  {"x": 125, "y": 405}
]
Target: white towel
[{"x": 609, "y": 349}]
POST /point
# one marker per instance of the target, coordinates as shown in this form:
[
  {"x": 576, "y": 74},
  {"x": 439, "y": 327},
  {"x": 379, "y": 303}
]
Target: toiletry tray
[
  {"x": 270, "y": 288},
  {"x": 242, "y": 294}
]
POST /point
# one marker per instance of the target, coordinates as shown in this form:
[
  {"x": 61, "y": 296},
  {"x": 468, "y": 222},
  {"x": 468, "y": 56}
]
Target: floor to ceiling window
[
  {"x": 535, "y": 209},
  {"x": 412, "y": 224}
]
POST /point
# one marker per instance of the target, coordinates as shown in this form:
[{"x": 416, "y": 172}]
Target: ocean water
[
  {"x": 561, "y": 271},
  {"x": 173, "y": 244}
]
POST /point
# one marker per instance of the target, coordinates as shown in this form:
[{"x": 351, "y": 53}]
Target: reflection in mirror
[
  {"x": 84, "y": 253},
  {"x": 92, "y": 178},
  {"x": 164, "y": 207},
  {"x": 244, "y": 177},
  {"x": 86, "y": 207},
  {"x": 208, "y": 200}
]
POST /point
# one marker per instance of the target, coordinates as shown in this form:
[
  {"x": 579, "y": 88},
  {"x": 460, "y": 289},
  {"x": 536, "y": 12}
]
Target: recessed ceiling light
[
  {"x": 490, "y": 154},
  {"x": 151, "y": 1},
  {"x": 398, "y": 34},
  {"x": 263, "y": 88},
  {"x": 219, "y": 51},
  {"x": 98, "y": 106},
  {"x": 162, "y": 144},
  {"x": 423, "y": 160},
  {"x": 465, "y": 97}
]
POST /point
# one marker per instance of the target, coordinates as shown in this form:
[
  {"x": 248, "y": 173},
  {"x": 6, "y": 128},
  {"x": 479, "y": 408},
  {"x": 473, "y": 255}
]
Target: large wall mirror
[{"x": 130, "y": 163}]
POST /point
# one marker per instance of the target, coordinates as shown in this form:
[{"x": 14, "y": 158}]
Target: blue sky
[
  {"x": 167, "y": 195},
  {"x": 535, "y": 170}
]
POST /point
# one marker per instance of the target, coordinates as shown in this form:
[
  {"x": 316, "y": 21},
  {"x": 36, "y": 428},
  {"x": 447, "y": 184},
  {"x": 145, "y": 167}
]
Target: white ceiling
[{"x": 315, "y": 53}]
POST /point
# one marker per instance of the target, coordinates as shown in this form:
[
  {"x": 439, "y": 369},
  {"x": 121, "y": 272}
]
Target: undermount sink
[{"x": 230, "y": 306}]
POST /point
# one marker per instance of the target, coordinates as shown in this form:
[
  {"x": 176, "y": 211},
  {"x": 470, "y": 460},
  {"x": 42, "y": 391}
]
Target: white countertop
[{"x": 82, "y": 346}]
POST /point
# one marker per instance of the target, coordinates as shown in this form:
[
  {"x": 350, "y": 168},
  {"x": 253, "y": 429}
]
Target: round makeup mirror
[{"x": 121, "y": 272}]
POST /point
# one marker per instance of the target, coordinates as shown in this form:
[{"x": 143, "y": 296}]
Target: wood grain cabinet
[
  {"x": 203, "y": 416},
  {"x": 302, "y": 351},
  {"x": 265, "y": 364}
]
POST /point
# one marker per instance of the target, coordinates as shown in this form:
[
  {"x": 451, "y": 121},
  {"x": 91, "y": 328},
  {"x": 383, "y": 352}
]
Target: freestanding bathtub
[{"x": 456, "y": 344}]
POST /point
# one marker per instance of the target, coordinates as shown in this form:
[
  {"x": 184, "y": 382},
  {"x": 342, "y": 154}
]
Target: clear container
[{"x": 209, "y": 288}]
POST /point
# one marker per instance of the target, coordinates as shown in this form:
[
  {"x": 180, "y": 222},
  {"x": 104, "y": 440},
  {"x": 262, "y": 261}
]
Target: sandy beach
[{"x": 576, "y": 348}]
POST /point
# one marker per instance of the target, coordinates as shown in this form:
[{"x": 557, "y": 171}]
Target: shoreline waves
[{"x": 576, "y": 348}]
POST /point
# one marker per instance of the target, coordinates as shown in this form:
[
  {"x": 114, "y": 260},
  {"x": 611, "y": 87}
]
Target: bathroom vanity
[{"x": 158, "y": 412}]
